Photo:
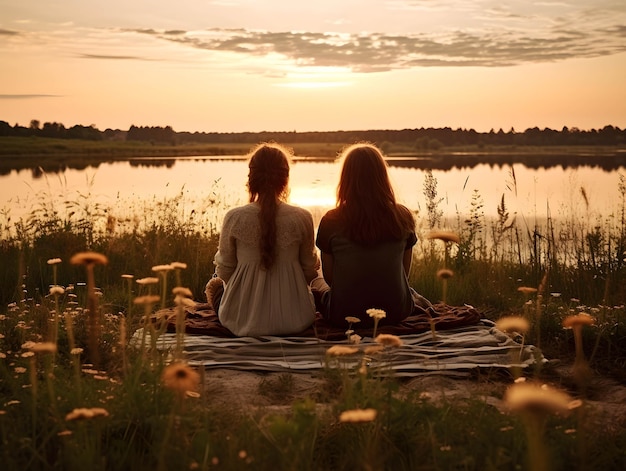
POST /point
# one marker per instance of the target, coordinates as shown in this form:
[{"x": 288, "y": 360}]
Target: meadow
[{"x": 77, "y": 283}]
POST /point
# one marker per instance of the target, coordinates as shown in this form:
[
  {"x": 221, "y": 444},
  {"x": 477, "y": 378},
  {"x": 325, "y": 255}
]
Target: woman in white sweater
[{"x": 266, "y": 256}]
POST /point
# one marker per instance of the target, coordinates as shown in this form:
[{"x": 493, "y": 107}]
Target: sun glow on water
[{"x": 312, "y": 197}]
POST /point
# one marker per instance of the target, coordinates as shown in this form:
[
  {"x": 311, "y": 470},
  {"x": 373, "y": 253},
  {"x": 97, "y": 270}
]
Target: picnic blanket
[
  {"x": 460, "y": 347},
  {"x": 202, "y": 319}
]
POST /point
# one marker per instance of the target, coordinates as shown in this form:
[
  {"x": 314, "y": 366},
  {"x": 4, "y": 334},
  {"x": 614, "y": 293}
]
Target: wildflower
[
  {"x": 365, "y": 361},
  {"x": 53, "y": 261},
  {"x": 355, "y": 339},
  {"x": 178, "y": 265},
  {"x": 373, "y": 350},
  {"x": 86, "y": 413},
  {"x": 578, "y": 320},
  {"x": 27, "y": 354},
  {"x": 445, "y": 273},
  {"x": 180, "y": 378},
  {"x": 129, "y": 277},
  {"x": 513, "y": 324},
  {"x": 582, "y": 372},
  {"x": 358, "y": 415},
  {"x": 44, "y": 347},
  {"x": 20, "y": 369},
  {"x": 339, "y": 350},
  {"x": 148, "y": 299},
  {"x": 64, "y": 433},
  {"x": 149, "y": 280},
  {"x": 162, "y": 268},
  {"x": 184, "y": 301},
  {"x": 57, "y": 290},
  {"x": 445, "y": 236},
  {"x": 352, "y": 320},
  {"x": 181, "y": 291},
  {"x": 527, "y": 290},
  {"x": 377, "y": 314},
  {"x": 388, "y": 340},
  {"x": 76, "y": 351},
  {"x": 89, "y": 258},
  {"x": 529, "y": 396}
]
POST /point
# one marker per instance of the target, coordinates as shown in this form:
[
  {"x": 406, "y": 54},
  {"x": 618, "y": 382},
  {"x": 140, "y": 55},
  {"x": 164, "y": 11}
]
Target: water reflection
[{"x": 526, "y": 191}]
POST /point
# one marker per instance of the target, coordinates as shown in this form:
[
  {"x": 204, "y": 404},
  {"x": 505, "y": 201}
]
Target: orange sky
[{"x": 276, "y": 65}]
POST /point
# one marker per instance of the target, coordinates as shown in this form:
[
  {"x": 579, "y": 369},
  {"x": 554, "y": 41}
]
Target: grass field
[{"x": 76, "y": 395}]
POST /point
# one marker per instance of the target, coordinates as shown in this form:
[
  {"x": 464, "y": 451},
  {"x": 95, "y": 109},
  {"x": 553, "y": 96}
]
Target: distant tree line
[{"x": 421, "y": 139}]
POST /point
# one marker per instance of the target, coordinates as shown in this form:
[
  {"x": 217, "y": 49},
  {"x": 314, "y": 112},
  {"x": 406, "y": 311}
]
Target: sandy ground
[{"x": 275, "y": 392}]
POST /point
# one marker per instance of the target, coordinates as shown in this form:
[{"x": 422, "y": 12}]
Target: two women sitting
[{"x": 269, "y": 280}]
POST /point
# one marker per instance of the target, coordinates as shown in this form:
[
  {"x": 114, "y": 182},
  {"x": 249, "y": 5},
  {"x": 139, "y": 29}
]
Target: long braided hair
[{"x": 268, "y": 180}]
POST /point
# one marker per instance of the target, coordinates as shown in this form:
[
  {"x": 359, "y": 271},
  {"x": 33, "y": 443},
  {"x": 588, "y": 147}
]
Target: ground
[{"x": 276, "y": 392}]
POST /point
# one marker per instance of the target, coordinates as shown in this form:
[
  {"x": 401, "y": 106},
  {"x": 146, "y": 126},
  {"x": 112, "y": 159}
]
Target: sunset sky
[{"x": 323, "y": 65}]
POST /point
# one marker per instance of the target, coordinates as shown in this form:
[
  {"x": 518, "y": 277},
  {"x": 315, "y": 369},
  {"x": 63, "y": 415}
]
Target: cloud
[
  {"x": 8, "y": 32},
  {"x": 112, "y": 57},
  {"x": 27, "y": 96},
  {"x": 375, "y": 52}
]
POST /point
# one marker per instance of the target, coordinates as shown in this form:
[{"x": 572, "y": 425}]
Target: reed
[{"x": 136, "y": 408}]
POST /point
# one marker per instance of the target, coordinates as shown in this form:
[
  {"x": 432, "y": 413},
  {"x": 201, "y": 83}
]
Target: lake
[{"x": 200, "y": 184}]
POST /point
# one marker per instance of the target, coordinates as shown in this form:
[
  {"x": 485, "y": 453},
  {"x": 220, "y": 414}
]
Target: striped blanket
[{"x": 455, "y": 350}]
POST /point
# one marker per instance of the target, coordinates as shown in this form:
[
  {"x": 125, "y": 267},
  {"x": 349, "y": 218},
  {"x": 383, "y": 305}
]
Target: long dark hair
[
  {"x": 366, "y": 198},
  {"x": 268, "y": 178}
]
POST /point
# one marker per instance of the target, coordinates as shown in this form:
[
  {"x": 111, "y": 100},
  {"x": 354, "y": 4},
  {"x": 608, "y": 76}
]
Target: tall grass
[{"x": 144, "y": 408}]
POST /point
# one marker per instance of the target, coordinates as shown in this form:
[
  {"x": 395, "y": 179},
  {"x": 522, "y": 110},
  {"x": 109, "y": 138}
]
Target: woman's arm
[
  {"x": 327, "y": 267},
  {"x": 407, "y": 260},
  {"x": 226, "y": 257},
  {"x": 309, "y": 260}
]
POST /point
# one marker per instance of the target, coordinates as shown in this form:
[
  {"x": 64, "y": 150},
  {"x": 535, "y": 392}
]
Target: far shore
[{"x": 52, "y": 155}]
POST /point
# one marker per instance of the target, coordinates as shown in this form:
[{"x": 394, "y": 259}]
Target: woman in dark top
[{"x": 366, "y": 245}]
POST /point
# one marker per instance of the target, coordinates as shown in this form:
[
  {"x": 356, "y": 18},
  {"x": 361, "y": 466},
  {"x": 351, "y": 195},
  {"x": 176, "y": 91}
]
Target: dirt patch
[{"x": 275, "y": 392}]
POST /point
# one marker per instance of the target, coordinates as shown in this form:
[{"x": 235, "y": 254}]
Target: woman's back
[
  {"x": 365, "y": 276},
  {"x": 259, "y": 301}
]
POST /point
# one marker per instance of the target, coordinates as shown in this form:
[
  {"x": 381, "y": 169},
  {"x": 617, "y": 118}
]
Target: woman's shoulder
[
  {"x": 297, "y": 211},
  {"x": 239, "y": 213},
  {"x": 332, "y": 215}
]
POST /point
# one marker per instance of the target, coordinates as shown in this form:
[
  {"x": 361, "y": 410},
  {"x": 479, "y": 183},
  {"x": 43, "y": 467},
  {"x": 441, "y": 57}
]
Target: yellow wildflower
[
  {"x": 358, "y": 415},
  {"x": 578, "y": 320},
  {"x": 532, "y": 397},
  {"x": 388, "y": 340},
  {"x": 527, "y": 290},
  {"x": 339, "y": 350},
  {"x": 89, "y": 258},
  {"x": 445, "y": 236},
  {"x": 44, "y": 347},
  {"x": 180, "y": 378},
  {"x": 376, "y": 313},
  {"x": 149, "y": 280},
  {"x": 86, "y": 413},
  {"x": 512, "y": 324}
]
